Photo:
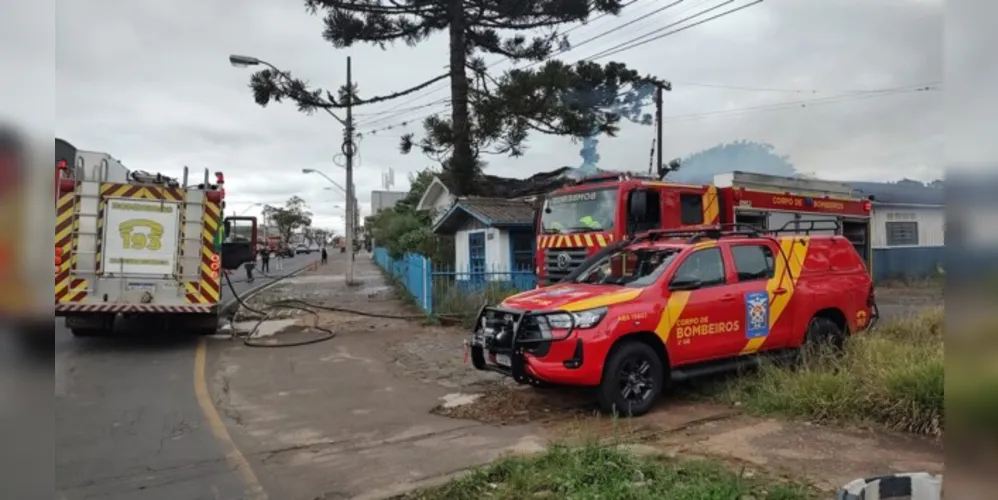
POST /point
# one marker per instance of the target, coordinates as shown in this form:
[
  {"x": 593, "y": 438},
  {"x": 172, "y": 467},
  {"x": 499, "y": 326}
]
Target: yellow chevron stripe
[
  {"x": 711, "y": 207},
  {"x": 603, "y": 300},
  {"x": 600, "y": 240},
  {"x": 785, "y": 276},
  {"x": 670, "y": 314}
]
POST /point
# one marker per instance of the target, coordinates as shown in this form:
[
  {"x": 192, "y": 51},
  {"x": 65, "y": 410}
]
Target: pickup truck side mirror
[
  {"x": 685, "y": 284},
  {"x": 237, "y": 250}
]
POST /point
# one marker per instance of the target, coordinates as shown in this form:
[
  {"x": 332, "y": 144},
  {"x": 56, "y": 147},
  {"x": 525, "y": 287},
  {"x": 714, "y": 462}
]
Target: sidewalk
[{"x": 351, "y": 417}]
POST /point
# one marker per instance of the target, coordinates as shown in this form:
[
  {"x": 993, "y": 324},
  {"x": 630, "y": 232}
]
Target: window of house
[
  {"x": 523, "y": 251},
  {"x": 705, "y": 266},
  {"x": 753, "y": 262},
  {"x": 691, "y": 209},
  {"x": 901, "y": 233}
]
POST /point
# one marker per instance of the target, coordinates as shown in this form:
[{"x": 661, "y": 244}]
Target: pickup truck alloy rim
[{"x": 635, "y": 380}]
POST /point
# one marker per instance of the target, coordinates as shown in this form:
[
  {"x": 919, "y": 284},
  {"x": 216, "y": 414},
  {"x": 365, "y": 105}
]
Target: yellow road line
[{"x": 233, "y": 456}]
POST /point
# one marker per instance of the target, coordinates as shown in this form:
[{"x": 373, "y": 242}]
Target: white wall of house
[
  {"x": 887, "y": 221},
  {"x": 497, "y": 249}
]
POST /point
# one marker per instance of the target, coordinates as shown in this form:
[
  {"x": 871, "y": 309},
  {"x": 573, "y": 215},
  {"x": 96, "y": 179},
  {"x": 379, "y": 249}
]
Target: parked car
[
  {"x": 664, "y": 307},
  {"x": 300, "y": 249}
]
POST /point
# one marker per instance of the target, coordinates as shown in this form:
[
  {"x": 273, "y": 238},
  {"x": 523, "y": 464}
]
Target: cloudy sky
[{"x": 149, "y": 82}]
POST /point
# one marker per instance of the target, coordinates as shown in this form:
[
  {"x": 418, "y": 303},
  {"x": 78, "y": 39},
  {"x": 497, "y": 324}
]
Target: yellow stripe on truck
[
  {"x": 602, "y": 300},
  {"x": 785, "y": 277},
  {"x": 673, "y": 310},
  {"x": 711, "y": 208}
]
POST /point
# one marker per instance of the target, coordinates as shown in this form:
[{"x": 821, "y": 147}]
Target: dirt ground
[{"x": 357, "y": 416}]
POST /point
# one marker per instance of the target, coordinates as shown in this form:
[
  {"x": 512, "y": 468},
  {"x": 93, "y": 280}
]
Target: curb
[{"x": 234, "y": 302}]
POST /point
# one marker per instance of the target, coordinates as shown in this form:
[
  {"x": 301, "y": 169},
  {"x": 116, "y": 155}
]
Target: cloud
[{"x": 149, "y": 82}]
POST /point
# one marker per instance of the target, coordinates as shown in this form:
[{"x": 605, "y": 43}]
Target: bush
[
  {"x": 597, "y": 471},
  {"x": 892, "y": 376}
]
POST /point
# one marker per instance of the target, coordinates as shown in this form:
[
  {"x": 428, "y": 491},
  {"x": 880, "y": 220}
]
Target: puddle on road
[{"x": 456, "y": 399}]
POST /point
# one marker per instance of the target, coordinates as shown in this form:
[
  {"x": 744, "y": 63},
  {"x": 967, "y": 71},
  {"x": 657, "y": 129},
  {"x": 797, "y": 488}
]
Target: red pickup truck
[{"x": 671, "y": 305}]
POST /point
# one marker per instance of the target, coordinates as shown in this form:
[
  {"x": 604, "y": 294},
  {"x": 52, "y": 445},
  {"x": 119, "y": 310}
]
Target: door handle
[
  {"x": 779, "y": 291},
  {"x": 728, "y": 298}
]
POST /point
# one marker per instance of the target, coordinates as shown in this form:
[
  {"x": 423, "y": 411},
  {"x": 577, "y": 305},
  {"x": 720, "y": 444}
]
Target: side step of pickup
[{"x": 730, "y": 364}]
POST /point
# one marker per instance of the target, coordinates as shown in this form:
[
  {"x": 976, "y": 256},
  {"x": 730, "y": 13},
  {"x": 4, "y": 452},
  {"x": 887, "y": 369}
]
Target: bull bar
[{"x": 486, "y": 340}]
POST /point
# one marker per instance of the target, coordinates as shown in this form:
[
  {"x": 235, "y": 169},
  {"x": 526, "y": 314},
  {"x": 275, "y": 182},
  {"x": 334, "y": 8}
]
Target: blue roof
[{"x": 901, "y": 193}]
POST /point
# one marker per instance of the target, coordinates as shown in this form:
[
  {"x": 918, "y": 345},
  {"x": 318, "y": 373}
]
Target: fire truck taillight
[
  {"x": 62, "y": 165},
  {"x": 58, "y": 258},
  {"x": 867, "y": 206}
]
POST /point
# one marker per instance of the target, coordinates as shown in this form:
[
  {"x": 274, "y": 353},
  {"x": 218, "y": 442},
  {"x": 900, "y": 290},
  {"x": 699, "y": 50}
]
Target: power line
[
  {"x": 622, "y": 47},
  {"x": 503, "y": 59},
  {"x": 909, "y": 89},
  {"x": 616, "y": 48},
  {"x": 835, "y": 99}
]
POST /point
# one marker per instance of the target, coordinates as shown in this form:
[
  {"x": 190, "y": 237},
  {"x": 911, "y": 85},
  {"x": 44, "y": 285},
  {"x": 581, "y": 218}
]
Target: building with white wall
[
  {"x": 908, "y": 228},
  {"x": 493, "y": 240}
]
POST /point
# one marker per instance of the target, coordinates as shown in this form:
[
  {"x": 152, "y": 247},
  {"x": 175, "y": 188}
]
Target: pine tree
[{"x": 489, "y": 115}]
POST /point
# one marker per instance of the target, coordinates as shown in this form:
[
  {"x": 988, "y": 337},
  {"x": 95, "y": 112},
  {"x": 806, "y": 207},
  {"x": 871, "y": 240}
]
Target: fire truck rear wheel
[{"x": 633, "y": 378}]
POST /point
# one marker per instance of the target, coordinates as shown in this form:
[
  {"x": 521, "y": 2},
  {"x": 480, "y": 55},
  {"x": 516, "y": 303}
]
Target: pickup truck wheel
[
  {"x": 632, "y": 380},
  {"x": 823, "y": 336}
]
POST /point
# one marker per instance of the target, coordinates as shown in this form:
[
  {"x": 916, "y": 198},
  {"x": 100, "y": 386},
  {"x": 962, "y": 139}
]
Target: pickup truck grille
[
  {"x": 557, "y": 267},
  {"x": 499, "y": 324}
]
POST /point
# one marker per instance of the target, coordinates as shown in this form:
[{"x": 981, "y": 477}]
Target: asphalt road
[{"x": 127, "y": 421}]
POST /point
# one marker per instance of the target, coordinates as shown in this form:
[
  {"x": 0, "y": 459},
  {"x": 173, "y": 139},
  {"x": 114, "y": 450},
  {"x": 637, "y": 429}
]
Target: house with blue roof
[{"x": 908, "y": 227}]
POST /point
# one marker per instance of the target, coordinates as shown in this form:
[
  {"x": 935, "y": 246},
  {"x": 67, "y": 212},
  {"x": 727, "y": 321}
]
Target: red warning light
[
  {"x": 214, "y": 266},
  {"x": 62, "y": 164},
  {"x": 58, "y": 251},
  {"x": 58, "y": 260},
  {"x": 867, "y": 206},
  {"x": 214, "y": 257}
]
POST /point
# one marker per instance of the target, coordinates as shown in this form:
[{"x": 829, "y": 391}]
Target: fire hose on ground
[{"x": 249, "y": 337}]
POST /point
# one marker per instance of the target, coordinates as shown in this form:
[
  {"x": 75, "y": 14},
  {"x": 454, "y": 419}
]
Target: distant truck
[
  {"x": 135, "y": 243},
  {"x": 578, "y": 221}
]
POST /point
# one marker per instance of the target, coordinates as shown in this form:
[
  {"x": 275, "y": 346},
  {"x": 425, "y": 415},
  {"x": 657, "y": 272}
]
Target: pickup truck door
[
  {"x": 762, "y": 293},
  {"x": 707, "y": 314}
]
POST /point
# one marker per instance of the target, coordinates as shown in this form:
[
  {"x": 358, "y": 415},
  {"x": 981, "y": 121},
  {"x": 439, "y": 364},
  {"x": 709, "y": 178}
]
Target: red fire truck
[{"x": 577, "y": 221}]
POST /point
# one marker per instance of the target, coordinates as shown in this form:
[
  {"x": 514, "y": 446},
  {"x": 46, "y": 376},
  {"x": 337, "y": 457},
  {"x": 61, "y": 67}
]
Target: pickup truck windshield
[
  {"x": 630, "y": 268},
  {"x": 583, "y": 211}
]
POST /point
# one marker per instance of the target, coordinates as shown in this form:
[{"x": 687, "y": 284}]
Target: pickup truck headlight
[{"x": 583, "y": 319}]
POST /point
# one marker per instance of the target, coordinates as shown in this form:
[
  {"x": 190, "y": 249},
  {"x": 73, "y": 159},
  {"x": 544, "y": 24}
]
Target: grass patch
[
  {"x": 464, "y": 302},
  {"x": 892, "y": 376},
  {"x": 602, "y": 472}
]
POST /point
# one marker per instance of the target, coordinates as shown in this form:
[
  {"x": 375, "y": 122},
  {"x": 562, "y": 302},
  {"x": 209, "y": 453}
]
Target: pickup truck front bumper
[{"x": 504, "y": 338}]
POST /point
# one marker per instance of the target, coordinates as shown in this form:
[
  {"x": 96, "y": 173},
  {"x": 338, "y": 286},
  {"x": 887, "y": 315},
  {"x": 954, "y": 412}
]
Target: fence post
[{"x": 427, "y": 285}]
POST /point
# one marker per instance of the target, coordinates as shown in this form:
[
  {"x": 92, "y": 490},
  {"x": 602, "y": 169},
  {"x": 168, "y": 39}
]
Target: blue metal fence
[
  {"x": 414, "y": 271},
  {"x": 430, "y": 287}
]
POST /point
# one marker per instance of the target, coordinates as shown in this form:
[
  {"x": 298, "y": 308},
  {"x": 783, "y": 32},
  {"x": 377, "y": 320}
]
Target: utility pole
[
  {"x": 658, "y": 129},
  {"x": 348, "y": 151}
]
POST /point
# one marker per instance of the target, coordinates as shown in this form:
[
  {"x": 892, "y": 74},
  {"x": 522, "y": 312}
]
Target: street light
[
  {"x": 247, "y": 61},
  {"x": 243, "y": 61},
  {"x": 348, "y": 147},
  {"x": 252, "y": 205},
  {"x": 351, "y": 210}
]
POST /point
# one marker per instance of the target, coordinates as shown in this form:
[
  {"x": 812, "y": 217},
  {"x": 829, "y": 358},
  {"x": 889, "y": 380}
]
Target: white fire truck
[{"x": 134, "y": 243}]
